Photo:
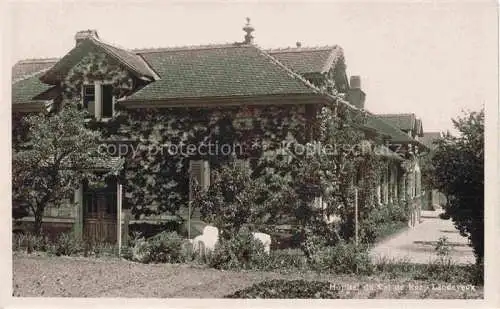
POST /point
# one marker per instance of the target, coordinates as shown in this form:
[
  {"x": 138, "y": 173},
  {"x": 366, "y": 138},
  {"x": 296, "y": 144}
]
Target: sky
[{"x": 433, "y": 59}]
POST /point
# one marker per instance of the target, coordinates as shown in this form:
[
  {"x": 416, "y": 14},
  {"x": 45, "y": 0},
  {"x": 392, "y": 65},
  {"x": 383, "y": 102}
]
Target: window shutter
[
  {"x": 199, "y": 174},
  {"x": 91, "y": 107},
  {"x": 107, "y": 101},
  {"x": 242, "y": 163}
]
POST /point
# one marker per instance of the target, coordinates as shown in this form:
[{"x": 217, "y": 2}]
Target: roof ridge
[
  {"x": 111, "y": 48},
  {"x": 114, "y": 45},
  {"x": 302, "y": 49},
  {"x": 37, "y": 60},
  {"x": 396, "y": 114},
  {"x": 334, "y": 56},
  {"x": 188, "y": 47},
  {"x": 289, "y": 71}
]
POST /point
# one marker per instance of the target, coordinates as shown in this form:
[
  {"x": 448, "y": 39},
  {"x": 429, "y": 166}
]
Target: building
[{"x": 206, "y": 89}]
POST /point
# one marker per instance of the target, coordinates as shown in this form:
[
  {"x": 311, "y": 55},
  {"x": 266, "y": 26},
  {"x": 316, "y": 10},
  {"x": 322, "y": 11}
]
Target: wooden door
[{"x": 99, "y": 224}]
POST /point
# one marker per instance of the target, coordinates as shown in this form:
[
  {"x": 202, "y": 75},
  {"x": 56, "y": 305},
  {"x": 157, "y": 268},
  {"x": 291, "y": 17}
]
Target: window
[
  {"x": 90, "y": 203},
  {"x": 107, "y": 101},
  {"x": 89, "y": 98},
  {"x": 199, "y": 175},
  {"x": 98, "y": 100}
]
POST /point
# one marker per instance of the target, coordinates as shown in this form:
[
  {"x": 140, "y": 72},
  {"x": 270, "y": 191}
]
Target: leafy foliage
[
  {"x": 458, "y": 172},
  {"x": 157, "y": 173},
  {"x": 232, "y": 199},
  {"x": 343, "y": 258},
  {"x": 241, "y": 251},
  {"x": 97, "y": 67},
  {"x": 382, "y": 221},
  {"x": 58, "y": 153},
  {"x": 288, "y": 289},
  {"x": 165, "y": 247}
]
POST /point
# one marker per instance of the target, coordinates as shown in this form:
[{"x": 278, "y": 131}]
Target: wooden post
[
  {"x": 78, "y": 199},
  {"x": 119, "y": 217},
  {"x": 356, "y": 227},
  {"x": 98, "y": 100},
  {"x": 190, "y": 200}
]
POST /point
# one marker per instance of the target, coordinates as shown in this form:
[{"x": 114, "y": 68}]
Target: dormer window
[
  {"x": 89, "y": 98},
  {"x": 107, "y": 101},
  {"x": 98, "y": 100}
]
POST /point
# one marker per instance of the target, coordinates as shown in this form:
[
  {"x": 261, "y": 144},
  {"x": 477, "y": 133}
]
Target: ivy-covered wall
[{"x": 165, "y": 140}]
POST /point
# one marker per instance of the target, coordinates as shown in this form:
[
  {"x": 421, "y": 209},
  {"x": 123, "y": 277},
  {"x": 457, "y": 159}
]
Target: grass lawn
[{"x": 39, "y": 275}]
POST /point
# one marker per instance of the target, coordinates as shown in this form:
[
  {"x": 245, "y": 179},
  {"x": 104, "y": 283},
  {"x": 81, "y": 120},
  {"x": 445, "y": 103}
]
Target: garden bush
[
  {"x": 140, "y": 251},
  {"x": 64, "y": 244},
  {"x": 383, "y": 221},
  {"x": 287, "y": 260},
  {"x": 433, "y": 271},
  {"x": 288, "y": 289},
  {"x": 343, "y": 258},
  {"x": 165, "y": 247},
  {"x": 68, "y": 244},
  {"x": 30, "y": 242},
  {"x": 242, "y": 251}
]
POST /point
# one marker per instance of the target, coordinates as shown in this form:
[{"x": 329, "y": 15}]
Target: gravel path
[
  {"x": 418, "y": 244},
  {"x": 35, "y": 276}
]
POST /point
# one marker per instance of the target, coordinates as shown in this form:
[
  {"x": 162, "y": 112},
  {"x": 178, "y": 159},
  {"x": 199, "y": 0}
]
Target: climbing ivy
[
  {"x": 97, "y": 67},
  {"x": 156, "y": 174}
]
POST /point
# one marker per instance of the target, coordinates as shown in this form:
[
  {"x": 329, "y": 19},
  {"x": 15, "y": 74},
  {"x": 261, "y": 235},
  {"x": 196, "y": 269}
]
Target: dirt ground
[{"x": 35, "y": 276}]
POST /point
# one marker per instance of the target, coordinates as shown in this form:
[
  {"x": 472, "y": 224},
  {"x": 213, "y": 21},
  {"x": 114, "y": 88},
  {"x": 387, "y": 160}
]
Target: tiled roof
[
  {"x": 25, "y": 68},
  {"x": 384, "y": 151},
  {"x": 403, "y": 121},
  {"x": 429, "y": 138},
  {"x": 130, "y": 58},
  {"x": 218, "y": 71},
  {"x": 305, "y": 60},
  {"x": 24, "y": 90},
  {"x": 134, "y": 62},
  {"x": 397, "y": 136}
]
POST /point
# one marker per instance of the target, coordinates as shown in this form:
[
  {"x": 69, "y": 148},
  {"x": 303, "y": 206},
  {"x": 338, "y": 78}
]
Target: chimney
[
  {"x": 85, "y": 34},
  {"x": 248, "y": 29},
  {"x": 299, "y": 45},
  {"x": 355, "y": 95}
]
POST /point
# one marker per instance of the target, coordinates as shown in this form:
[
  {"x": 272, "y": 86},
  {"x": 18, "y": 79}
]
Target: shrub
[
  {"x": 288, "y": 289},
  {"x": 382, "y": 222},
  {"x": 141, "y": 251},
  {"x": 241, "y": 251},
  {"x": 30, "y": 242},
  {"x": 343, "y": 258},
  {"x": 434, "y": 271},
  {"x": 165, "y": 247},
  {"x": 284, "y": 260},
  {"x": 67, "y": 244},
  {"x": 103, "y": 249}
]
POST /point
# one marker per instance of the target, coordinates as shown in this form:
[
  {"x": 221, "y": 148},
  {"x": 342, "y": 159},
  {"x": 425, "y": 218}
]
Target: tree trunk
[{"x": 37, "y": 228}]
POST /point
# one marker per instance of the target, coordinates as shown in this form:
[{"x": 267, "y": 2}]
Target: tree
[
  {"x": 231, "y": 201},
  {"x": 58, "y": 152},
  {"x": 458, "y": 172}
]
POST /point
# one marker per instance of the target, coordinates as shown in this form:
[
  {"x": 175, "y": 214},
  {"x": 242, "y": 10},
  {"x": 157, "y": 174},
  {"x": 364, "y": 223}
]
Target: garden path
[{"x": 418, "y": 244}]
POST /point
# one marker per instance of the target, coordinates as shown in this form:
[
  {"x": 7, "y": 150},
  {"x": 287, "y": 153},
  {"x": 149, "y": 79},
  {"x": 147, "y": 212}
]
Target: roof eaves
[
  {"x": 289, "y": 71},
  {"x": 335, "y": 54},
  {"x": 107, "y": 46},
  {"x": 155, "y": 76}
]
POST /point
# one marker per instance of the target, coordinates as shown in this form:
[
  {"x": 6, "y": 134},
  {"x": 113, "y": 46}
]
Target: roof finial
[{"x": 248, "y": 29}]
